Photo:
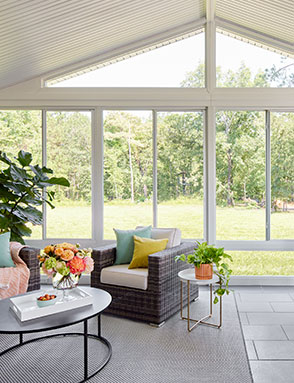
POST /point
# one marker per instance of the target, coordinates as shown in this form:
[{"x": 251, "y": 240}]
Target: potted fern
[{"x": 204, "y": 258}]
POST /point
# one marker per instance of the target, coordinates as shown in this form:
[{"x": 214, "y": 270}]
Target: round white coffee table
[{"x": 188, "y": 276}]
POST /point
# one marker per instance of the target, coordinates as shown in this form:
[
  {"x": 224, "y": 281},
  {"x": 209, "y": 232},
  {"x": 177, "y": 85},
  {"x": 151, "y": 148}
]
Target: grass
[{"x": 231, "y": 224}]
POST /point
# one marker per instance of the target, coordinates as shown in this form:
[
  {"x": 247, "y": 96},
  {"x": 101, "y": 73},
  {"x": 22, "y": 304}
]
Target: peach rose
[
  {"x": 67, "y": 255},
  {"x": 48, "y": 249},
  {"x": 58, "y": 251},
  {"x": 77, "y": 265}
]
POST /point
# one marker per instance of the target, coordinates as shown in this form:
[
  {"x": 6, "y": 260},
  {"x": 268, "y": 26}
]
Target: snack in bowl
[{"x": 46, "y": 300}]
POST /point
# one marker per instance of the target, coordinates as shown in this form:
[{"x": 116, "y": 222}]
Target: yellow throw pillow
[{"x": 143, "y": 247}]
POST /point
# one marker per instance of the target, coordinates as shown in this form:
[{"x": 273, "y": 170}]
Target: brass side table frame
[{"x": 188, "y": 276}]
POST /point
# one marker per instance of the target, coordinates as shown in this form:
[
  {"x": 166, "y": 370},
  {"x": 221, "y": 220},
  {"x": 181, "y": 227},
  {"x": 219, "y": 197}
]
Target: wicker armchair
[
  {"x": 29, "y": 256},
  {"x": 161, "y": 299}
]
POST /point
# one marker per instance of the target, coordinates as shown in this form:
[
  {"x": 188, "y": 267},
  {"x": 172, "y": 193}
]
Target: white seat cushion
[
  {"x": 120, "y": 275},
  {"x": 172, "y": 234}
]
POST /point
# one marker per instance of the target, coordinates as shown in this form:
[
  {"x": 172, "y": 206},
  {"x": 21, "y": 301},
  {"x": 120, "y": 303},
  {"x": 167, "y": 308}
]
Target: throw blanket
[{"x": 14, "y": 280}]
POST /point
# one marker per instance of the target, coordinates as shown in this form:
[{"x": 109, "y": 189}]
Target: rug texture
[{"x": 141, "y": 353}]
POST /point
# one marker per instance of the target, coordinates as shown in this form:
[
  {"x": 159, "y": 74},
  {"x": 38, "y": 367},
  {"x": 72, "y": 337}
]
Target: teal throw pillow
[
  {"x": 125, "y": 243},
  {"x": 5, "y": 257}
]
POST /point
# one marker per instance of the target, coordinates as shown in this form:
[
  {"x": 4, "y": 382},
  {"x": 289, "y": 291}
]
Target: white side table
[{"x": 188, "y": 276}]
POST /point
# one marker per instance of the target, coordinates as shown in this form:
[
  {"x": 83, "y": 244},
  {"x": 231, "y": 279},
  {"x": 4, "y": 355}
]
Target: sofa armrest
[
  {"x": 29, "y": 256},
  {"x": 162, "y": 267},
  {"x": 103, "y": 257}
]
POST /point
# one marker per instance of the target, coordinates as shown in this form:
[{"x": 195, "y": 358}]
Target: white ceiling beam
[
  {"x": 210, "y": 46},
  {"x": 158, "y": 38},
  {"x": 251, "y": 34}
]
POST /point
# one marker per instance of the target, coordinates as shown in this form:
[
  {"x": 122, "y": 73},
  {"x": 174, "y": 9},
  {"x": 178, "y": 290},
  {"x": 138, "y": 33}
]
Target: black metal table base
[{"x": 85, "y": 335}]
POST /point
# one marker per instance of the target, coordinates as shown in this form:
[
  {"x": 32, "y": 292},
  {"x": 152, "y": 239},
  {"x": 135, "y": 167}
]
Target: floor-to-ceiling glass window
[
  {"x": 128, "y": 170},
  {"x": 22, "y": 130},
  {"x": 282, "y": 175},
  {"x": 240, "y": 175},
  {"x": 180, "y": 172},
  {"x": 69, "y": 155}
]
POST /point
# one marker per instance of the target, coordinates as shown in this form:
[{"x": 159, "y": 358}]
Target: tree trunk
[
  {"x": 131, "y": 166},
  {"x": 230, "y": 200}
]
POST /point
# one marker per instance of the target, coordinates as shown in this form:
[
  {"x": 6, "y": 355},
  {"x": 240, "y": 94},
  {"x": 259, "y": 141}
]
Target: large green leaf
[
  {"x": 4, "y": 158},
  {"x": 6, "y": 194},
  {"x": 59, "y": 181},
  {"x": 4, "y": 221},
  {"x": 14, "y": 236},
  {"x": 18, "y": 173},
  {"x": 24, "y": 158},
  {"x": 22, "y": 229},
  {"x": 29, "y": 214}
]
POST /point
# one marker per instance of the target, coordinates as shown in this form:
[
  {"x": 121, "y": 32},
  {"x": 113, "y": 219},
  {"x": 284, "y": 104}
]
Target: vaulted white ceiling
[{"x": 39, "y": 37}]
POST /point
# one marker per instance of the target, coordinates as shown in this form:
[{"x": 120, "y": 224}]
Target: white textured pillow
[{"x": 172, "y": 234}]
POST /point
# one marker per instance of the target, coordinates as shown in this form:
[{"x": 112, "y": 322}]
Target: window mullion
[
  {"x": 268, "y": 175},
  {"x": 44, "y": 163},
  {"x": 154, "y": 136}
]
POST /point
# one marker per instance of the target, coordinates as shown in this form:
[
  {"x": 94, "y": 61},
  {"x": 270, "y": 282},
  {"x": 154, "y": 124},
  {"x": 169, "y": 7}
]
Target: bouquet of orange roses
[{"x": 66, "y": 262}]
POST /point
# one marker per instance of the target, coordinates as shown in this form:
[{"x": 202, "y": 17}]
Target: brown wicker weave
[
  {"x": 29, "y": 255},
  {"x": 162, "y": 297}
]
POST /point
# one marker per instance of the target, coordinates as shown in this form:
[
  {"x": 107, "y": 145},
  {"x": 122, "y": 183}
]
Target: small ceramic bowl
[{"x": 46, "y": 303}]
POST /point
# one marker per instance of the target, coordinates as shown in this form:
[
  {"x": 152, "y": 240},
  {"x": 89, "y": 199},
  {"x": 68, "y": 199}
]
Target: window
[
  {"x": 128, "y": 170},
  {"x": 262, "y": 262},
  {"x": 180, "y": 172},
  {"x": 22, "y": 130},
  {"x": 165, "y": 66},
  {"x": 243, "y": 65},
  {"x": 240, "y": 175},
  {"x": 69, "y": 155},
  {"x": 282, "y": 175}
]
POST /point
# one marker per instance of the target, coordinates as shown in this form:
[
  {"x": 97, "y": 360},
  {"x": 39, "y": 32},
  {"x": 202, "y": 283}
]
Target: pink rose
[
  {"x": 89, "y": 264},
  {"x": 48, "y": 272}
]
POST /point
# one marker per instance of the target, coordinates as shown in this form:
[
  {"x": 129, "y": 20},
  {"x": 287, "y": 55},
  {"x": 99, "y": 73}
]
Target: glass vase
[{"x": 65, "y": 283}]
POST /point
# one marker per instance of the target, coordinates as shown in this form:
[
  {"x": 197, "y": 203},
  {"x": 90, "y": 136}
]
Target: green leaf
[
  {"x": 14, "y": 236},
  {"x": 24, "y": 158},
  {"x": 23, "y": 230},
  {"x": 58, "y": 181},
  {"x": 47, "y": 170},
  {"x": 215, "y": 300},
  {"x": 29, "y": 214},
  {"x": 4, "y": 158},
  {"x": 6, "y": 194},
  {"x": 4, "y": 221},
  {"x": 18, "y": 173}
]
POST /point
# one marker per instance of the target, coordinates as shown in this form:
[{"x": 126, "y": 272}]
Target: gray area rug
[{"x": 141, "y": 353}]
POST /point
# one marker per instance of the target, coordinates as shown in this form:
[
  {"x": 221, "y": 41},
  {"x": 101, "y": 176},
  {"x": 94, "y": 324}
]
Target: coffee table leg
[
  {"x": 99, "y": 326},
  {"x": 20, "y": 338},
  {"x": 85, "y": 349}
]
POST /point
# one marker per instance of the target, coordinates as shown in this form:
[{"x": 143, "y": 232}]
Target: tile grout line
[
  {"x": 255, "y": 350},
  {"x": 270, "y": 303},
  {"x": 284, "y": 332},
  {"x": 242, "y": 332}
]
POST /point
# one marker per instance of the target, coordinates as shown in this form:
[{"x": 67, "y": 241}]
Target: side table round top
[
  {"x": 189, "y": 275},
  {"x": 9, "y": 323}
]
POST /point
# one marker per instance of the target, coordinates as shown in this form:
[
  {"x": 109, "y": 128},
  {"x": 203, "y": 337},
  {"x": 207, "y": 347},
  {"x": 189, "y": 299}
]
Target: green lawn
[{"x": 232, "y": 224}]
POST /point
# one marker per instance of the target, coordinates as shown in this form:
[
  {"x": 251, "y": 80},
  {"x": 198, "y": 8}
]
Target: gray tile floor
[{"x": 267, "y": 317}]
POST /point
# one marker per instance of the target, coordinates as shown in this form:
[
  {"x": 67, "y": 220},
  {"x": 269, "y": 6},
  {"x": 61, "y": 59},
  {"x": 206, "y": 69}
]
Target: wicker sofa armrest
[
  {"x": 162, "y": 266},
  {"x": 104, "y": 256},
  {"x": 29, "y": 256}
]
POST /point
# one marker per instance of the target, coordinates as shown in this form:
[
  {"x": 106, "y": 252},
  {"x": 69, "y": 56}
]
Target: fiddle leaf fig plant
[
  {"x": 22, "y": 190},
  {"x": 209, "y": 254}
]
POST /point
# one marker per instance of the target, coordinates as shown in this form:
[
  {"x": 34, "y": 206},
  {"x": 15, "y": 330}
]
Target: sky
[{"x": 168, "y": 65}]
